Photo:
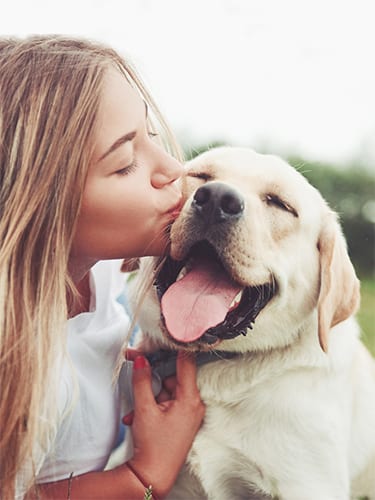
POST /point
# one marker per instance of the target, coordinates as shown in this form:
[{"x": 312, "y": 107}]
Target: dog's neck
[{"x": 163, "y": 362}]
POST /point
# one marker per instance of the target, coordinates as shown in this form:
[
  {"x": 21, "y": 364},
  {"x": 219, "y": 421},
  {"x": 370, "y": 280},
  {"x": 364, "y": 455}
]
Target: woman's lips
[{"x": 174, "y": 212}]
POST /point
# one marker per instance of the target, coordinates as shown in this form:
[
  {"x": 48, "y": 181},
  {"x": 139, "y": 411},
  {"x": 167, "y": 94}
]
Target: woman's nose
[{"x": 166, "y": 171}]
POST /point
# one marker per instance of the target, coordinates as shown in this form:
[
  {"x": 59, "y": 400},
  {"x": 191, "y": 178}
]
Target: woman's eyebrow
[
  {"x": 119, "y": 142},
  {"x": 123, "y": 139}
]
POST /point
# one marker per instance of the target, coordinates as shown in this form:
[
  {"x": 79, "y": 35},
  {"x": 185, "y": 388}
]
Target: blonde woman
[{"x": 83, "y": 182}]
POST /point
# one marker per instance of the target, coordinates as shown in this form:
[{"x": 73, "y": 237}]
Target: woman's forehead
[{"x": 121, "y": 112}]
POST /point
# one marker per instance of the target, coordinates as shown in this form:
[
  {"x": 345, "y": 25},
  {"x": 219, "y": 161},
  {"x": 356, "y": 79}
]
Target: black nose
[{"x": 217, "y": 203}]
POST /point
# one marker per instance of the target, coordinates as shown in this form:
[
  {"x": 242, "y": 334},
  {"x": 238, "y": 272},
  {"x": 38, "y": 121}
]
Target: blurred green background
[{"x": 350, "y": 191}]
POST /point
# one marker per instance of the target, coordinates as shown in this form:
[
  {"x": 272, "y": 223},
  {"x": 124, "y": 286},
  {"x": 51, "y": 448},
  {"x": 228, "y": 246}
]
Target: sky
[{"x": 284, "y": 76}]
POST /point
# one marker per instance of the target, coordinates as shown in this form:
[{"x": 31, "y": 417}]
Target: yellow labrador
[{"x": 259, "y": 269}]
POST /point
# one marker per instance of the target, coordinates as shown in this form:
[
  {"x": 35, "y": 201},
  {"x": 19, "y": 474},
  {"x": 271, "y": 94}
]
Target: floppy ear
[
  {"x": 339, "y": 285},
  {"x": 129, "y": 265}
]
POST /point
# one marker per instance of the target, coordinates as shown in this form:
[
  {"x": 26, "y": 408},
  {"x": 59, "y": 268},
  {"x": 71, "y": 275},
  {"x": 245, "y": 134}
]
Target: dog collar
[{"x": 163, "y": 362}]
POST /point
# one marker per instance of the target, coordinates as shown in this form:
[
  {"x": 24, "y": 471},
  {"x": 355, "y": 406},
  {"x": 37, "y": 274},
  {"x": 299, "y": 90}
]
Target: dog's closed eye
[
  {"x": 276, "y": 201},
  {"x": 205, "y": 176}
]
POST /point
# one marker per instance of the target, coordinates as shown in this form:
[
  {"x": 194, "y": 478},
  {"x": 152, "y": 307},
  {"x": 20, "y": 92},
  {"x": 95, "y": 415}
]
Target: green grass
[{"x": 366, "y": 315}]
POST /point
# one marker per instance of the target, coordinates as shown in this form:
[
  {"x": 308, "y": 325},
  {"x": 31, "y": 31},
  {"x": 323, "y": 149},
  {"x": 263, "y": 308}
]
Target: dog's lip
[{"x": 200, "y": 344}]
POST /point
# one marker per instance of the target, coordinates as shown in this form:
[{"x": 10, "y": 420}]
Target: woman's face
[{"x": 130, "y": 195}]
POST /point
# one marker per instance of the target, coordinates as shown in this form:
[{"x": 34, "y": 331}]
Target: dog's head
[{"x": 257, "y": 257}]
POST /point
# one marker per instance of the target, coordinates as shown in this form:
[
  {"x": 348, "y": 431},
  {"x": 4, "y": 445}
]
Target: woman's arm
[
  {"x": 119, "y": 483},
  {"x": 162, "y": 436}
]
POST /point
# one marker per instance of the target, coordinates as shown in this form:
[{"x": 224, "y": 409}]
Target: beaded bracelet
[{"x": 148, "y": 493}]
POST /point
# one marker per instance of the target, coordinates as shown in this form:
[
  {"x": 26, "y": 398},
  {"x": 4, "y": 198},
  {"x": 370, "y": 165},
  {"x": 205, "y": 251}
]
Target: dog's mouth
[{"x": 201, "y": 302}]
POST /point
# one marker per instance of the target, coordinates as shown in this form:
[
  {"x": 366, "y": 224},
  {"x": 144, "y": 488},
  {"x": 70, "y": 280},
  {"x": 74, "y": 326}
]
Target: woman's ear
[{"x": 339, "y": 286}]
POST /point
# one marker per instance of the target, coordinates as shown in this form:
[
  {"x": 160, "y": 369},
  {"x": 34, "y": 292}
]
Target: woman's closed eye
[
  {"x": 133, "y": 165},
  {"x": 127, "y": 170}
]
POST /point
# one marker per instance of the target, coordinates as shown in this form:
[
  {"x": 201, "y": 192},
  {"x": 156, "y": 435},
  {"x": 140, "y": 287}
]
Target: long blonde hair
[{"x": 49, "y": 96}]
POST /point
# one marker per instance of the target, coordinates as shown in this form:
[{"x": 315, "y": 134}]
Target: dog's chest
[
  {"x": 251, "y": 420},
  {"x": 228, "y": 449}
]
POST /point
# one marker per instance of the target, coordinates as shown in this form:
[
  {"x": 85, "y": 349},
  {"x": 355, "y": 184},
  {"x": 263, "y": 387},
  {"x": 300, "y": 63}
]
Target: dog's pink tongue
[{"x": 198, "y": 301}]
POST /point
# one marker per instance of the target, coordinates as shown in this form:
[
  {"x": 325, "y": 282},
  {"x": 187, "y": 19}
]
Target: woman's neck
[
  {"x": 80, "y": 274},
  {"x": 79, "y": 268},
  {"x": 81, "y": 302}
]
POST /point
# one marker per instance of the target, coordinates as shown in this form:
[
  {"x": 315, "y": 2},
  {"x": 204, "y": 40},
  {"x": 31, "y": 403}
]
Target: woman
[{"x": 83, "y": 179}]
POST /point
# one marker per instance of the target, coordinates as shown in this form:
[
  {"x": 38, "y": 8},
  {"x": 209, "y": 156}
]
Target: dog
[{"x": 259, "y": 269}]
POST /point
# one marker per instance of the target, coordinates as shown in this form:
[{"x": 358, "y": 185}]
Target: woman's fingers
[
  {"x": 128, "y": 419},
  {"x": 183, "y": 387},
  {"x": 131, "y": 354},
  {"x": 186, "y": 373},
  {"x": 143, "y": 396},
  {"x": 169, "y": 385}
]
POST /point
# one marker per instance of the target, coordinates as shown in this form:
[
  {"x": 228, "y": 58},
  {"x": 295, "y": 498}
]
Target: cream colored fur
[{"x": 293, "y": 417}]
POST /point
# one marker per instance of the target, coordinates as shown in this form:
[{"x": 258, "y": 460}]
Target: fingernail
[
  {"x": 140, "y": 362},
  {"x": 128, "y": 419}
]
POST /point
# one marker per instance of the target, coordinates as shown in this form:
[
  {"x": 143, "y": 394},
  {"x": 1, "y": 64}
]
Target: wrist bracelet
[
  {"x": 149, "y": 494},
  {"x": 70, "y": 486}
]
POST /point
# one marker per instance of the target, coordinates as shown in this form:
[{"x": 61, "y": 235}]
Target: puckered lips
[{"x": 201, "y": 302}]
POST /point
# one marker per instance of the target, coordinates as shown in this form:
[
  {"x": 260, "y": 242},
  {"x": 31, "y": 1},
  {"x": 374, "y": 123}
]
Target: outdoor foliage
[
  {"x": 366, "y": 315},
  {"x": 351, "y": 193}
]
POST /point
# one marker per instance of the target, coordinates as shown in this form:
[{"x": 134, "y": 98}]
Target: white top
[{"x": 91, "y": 414}]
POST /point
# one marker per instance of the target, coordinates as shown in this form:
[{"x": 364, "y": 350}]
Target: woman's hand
[{"x": 163, "y": 432}]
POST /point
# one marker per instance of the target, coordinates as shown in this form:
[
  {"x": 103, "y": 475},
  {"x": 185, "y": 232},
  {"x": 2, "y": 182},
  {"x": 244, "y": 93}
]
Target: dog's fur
[{"x": 293, "y": 416}]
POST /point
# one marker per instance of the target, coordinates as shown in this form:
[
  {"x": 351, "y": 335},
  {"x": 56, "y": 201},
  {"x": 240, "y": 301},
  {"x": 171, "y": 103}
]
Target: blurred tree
[{"x": 350, "y": 192}]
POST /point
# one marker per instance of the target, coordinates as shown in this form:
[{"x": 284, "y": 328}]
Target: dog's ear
[
  {"x": 339, "y": 286},
  {"x": 129, "y": 265}
]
